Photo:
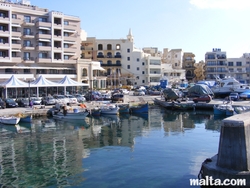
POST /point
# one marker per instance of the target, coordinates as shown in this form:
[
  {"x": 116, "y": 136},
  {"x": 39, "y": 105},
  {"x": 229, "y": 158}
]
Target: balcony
[
  {"x": 70, "y": 38},
  {"x": 28, "y": 60},
  {"x": 4, "y": 19},
  {"x": 28, "y": 23},
  {"x": 43, "y": 24},
  {"x": 111, "y": 65},
  {"x": 17, "y": 21},
  {"x": 16, "y": 46},
  {"x": 57, "y": 48},
  {"x": 117, "y": 56},
  {"x": 70, "y": 27},
  {"x": 29, "y": 35},
  {"x": 71, "y": 50},
  {"x": 4, "y": 33},
  {"x": 70, "y": 61},
  {"x": 43, "y": 60},
  {"x": 100, "y": 56},
  {"x": 4, "y": 45},
  {"x": 28, "y": 47},
  {"x": 43, "y": 36},
  {"x": 16, "y": 59},
  {"x": 43, "y": 48},
  {"x": 58, "y": 37},
  {"x": 16, "y": 34},
  {"x": 4, "y": 59}
]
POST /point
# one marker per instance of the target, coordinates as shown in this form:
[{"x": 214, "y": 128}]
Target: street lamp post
[{"x": 29, "y": 91}]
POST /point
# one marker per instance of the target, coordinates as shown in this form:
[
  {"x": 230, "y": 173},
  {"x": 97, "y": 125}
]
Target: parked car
[
  {"x": 22, "y": 102},
  {"x": 125, "y": 91},
  {"x": 234, "y": 96},
  {"x": 61, "y": 99},
  {"x": 2, "y": 104},
  {"x": 106, "y": 96},
  {"x": 117, "y": 97},
  {"x": 139, "y": 93},
  {"x": 245, "y": 95},
  {"x": 203, "y": 98},
  {"x": 36, "y": 100},
  {"x": 48, "y": 100},
  {"x": 10, "y": 103},
  {"x": 80, "y": 98},
  {"x": 72, "y": 99}
]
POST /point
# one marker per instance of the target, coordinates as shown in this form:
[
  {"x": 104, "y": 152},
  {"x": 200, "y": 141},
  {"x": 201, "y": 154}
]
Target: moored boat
[
  {"x": 27, "y": 118},
  {"x": 9, "y": 120},
  {"x": 109, "y": 109},
  {"x": 71, "y": 115},
  {"x": 224, "y": 109},
  {"x": 141, "y": 108},
  {"x": 124, "y": 109},
  {"x": 95, "y": 112}
]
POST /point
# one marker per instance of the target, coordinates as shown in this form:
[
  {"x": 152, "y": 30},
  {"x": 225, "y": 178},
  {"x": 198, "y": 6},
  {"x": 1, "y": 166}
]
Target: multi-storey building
[
  {"x": 216, "y": 65},
  {"x": 35, "y": 41},
  {"x": 188, "y": 65}
]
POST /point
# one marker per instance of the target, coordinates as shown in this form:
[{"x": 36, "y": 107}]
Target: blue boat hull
[
  {"x": 139, "y": 109},
  {"x": 27, "y": 119}
]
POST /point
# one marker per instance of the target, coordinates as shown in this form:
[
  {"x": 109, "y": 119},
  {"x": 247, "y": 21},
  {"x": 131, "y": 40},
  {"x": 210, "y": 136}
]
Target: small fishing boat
[
  {"x": 9, "y": 120},
  {"x": 124, "y": 109},
  {"x": 95, "y": 111},
  {"x": 27, "y": 118},
  {"x": 141, "y": 108},
  {"x": 224, "y": 109},
  {"x": 109, "y": 109},
  {"x": 70, "y": 115}
]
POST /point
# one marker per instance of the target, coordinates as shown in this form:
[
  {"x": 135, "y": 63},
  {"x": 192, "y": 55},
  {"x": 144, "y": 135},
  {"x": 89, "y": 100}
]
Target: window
[
  {"x": 42, "y": 19},
  {"x": 26, "y": 70},
  {"x": 128, "y": 50},
  {"x": 138, "y": 68},
  {"x": 176, "y": 64},
  {"x": 66, "y": 57},
  {"x": 230, "y": 63},
  {"x": 238, "y": 63},
  {"x": 143, "y": 81},
  {"x": 128, "y": 66},
  {"x": 2, "y": 14},
  {"x": 66, "y": 34},
  {"x": 14, "y": 54},
  {"x": 66, "y": 22},
  {"x": 143, "y": 63},
  {"x": 118, "y": 62},
  {"x": 27, "y": 31},
  {"x": 26, "y": 56},
  {"x": 100, "y": 47},
  {"x": 109, "y": 47},
  {"x": 66, "y": 45},
  {"x": 3, "y": 53},
  {"x": 84, "y": 72},
  {"x": 128, "y": 58},
  {"x": 109, "y": 62},
  {"x": 118, "y": 47},
  {"x": 14, "y": 16},
  {"x": 43, "y": 55},
  {"x": 138, "y": 59},
  {"x": 143, "y": 72},
  {"x": 27, "y": 43},
  {"x": 27, "y": 19}
]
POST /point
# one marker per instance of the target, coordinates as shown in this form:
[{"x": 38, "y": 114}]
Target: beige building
[
  {"x": 188, "y": 62},
  {"x": 35, "y": 41}
]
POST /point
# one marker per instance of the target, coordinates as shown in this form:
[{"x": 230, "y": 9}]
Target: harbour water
[{"x": 161, "y": 149}]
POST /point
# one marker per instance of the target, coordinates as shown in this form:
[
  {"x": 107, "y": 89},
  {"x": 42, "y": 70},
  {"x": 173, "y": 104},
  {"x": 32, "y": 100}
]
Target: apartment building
[
  {"x": 35, "y": 41},
  {"x": 188, "y": 62},
  {"x": 217, "y": 64}
]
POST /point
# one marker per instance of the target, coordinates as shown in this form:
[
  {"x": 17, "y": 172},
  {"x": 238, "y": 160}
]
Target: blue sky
[{"x": 194, "y": 26}]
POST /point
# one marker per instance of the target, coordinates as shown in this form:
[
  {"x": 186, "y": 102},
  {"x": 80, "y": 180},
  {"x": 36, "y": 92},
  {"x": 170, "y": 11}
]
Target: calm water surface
[{"x": 162, "y": 149}]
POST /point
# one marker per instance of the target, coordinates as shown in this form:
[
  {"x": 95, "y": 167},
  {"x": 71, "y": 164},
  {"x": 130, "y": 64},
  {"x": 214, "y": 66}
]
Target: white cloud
[{"x": 221, "y": 4}]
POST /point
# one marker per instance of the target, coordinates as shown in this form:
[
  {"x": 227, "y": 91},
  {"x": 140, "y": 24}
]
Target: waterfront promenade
[{"x": 37, "y": 110}]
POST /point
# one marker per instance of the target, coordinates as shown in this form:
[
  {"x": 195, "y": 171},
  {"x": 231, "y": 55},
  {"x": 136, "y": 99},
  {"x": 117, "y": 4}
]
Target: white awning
[
  {"x": 16, "y": 50},
  {"x": 69, "y": 53},
  {"x": 98, "y": 68},
  {"x": 45, "y": 28},
  {"x": 69, "y": 31},
  {"x": 26, "y": 67},
  {"x": 69, "y": 42},
  {"x": 44, "y": 40},
  {"x": 15, "y": 25},
  {"x": 14, "y": 38}
]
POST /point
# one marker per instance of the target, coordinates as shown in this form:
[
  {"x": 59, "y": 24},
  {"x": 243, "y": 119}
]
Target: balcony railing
[{"x": 111, "y": 65}]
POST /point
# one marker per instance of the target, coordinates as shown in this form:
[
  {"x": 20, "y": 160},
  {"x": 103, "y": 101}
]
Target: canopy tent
[
  {"x": 41, "y": 81},
  {"x": 67, "y": 81},
  {"x": 13, "y": 82}
]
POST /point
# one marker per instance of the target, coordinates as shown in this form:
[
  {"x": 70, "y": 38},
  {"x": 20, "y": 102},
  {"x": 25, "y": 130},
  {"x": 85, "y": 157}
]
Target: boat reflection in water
[{"x": 91, "y": 152}]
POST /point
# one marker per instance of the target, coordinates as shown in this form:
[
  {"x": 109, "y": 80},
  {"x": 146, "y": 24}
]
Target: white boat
[
  {"x": 228, "y": 85},
  {"x": 71, "y": 115},
  {"x": 109, "y": 109},
  {"x": 224, "y": 109},
  {"x": 10, "y": 120}
]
